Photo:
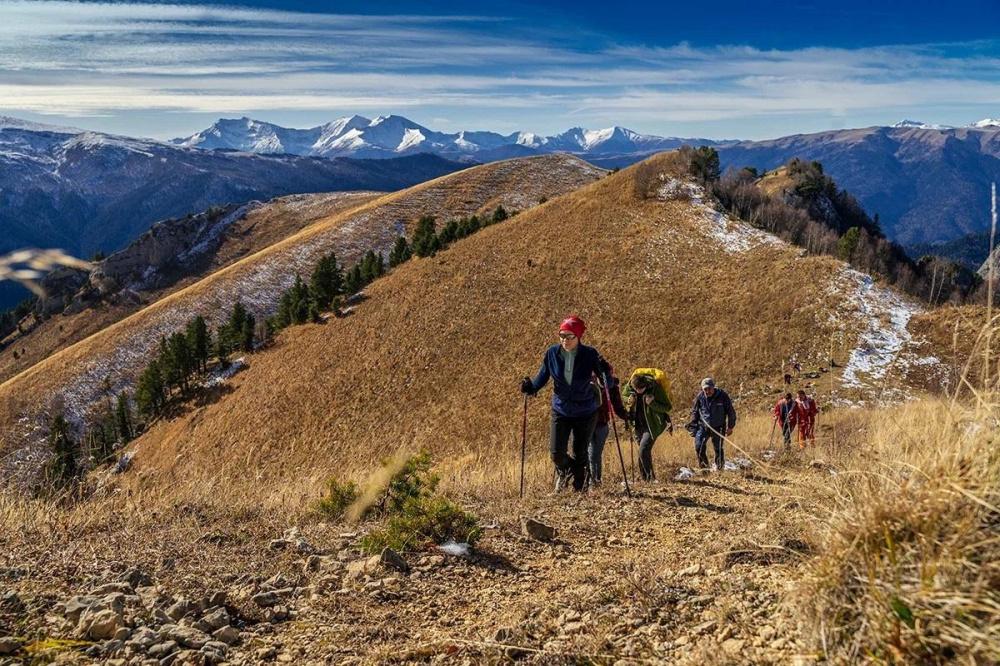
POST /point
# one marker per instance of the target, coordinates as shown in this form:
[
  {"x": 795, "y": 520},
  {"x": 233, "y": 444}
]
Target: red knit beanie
[{"x": 574, "y": 325}]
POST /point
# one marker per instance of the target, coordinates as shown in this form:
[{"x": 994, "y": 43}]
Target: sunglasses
[{"x": 566, "y": 336}]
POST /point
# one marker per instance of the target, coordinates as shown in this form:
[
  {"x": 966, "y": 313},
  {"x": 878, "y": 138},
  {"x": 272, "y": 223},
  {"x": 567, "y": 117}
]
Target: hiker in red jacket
[
  {"x": 786, "y": 413},
  {"x": 807, "y": 419}
]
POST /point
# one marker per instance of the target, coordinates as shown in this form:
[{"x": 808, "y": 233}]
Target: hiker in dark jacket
[
  {"x": 649, "y": 410},
  {"x": 595, "y": 452},
  {"x": 712, "y": 417},
  {"x": 571, "y": 365}
]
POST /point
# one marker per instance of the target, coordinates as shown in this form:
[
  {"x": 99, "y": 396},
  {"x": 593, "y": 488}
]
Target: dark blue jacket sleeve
[
  {"x": 730, "y": 412},
  {"x": 542, "y": 378}
]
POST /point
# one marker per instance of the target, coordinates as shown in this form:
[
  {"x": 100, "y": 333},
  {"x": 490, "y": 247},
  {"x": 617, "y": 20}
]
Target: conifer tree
[
  {"x": 353, "y": 283},
  {"x": 327, "y": 281},
  {"x": 500, "y": 214},
  {"x": 247, "y": 333},
  {"x": 448, "y": 234},
  {"x": 65, "y": 464},
  {"x": 400, "y": 252},
  {"x": 200, "y": 342},
  {"x": 123, "y": 418},
  {"x": 149, "y": 392},
  {"x": 179, "y": 362},
  {"x": 425, "y": 241}
]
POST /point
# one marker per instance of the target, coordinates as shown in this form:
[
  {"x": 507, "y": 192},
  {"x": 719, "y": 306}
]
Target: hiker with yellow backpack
[{"x": 647, "y": 398}]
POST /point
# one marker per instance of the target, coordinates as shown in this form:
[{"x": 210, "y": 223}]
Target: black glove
[
  {"x": 527, "y": 387},
  {"x": 603, "y": 367}
]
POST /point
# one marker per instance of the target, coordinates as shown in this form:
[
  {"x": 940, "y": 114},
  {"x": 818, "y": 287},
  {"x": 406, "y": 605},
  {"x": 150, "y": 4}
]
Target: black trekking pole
[
  {"x": 614, "y": 426},
  {"x": 524, "y": 441}
]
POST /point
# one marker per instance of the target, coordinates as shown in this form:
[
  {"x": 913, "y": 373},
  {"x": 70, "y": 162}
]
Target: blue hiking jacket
[
  {"x": 579, "y": 397},
  {"x": 716, "y": 412}
]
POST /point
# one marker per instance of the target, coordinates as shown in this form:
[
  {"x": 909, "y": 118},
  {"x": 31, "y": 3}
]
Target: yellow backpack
[{"x": 661, "y": 378}]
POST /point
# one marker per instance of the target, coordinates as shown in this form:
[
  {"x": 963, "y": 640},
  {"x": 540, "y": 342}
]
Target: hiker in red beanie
[{"x": 571, "y": 365}]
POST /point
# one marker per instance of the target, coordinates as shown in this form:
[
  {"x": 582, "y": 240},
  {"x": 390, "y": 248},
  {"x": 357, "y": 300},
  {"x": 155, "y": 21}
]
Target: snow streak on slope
[
  {"x": 885, "y": 342},
  {"x": 733, "y": 235}
]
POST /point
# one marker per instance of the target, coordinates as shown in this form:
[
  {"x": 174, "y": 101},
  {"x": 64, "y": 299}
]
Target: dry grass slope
[
  {"x": 119, "y": 352},
  {"x": 433, "y": 358}
]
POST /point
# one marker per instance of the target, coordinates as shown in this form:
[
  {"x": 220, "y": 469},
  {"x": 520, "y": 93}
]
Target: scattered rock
[
  {"x": 100, "y": 625},
  {"x": 161, "y": 650},
  {"x": 265, "y": 599},
  {"x": 537, "y": 530},
  {"x": 228, "y": 635},
  {"x": 188, "y": 636},
  {"x": 705, "y": 627},
  {"x": 213, "y": 620},
  {"x": 393, "y": 560},
  {"x": 733, "y": 646},
  {"x": 10, "y": 645},
  {"x": 693, "y": 570},
  {"x": 179, "y": 609}
]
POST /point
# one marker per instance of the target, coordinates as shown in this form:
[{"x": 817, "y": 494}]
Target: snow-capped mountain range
[{"x": 391, "y": 136}]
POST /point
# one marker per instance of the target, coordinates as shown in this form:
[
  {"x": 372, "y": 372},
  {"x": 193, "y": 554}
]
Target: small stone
[
  {"x": 189, "y": 637},
  {"x": 214, "y": 651},
  {"x": 122, "y": 634},
  {"x": 311, "y": 564},
  {"x": 111, "y": 588},
  {"x": 733, "y": 646},
  {"x": 706, "y": 627},
  {"x": 217, "y": 598},
  {"x": 279, "y": 544},
  {"x": 144, "y": 637},
  {"x": 537, "y": 530},
  {"x": 136, "y": 578},
  {"x": 228, "y": 635},
  {"x": 179, "y": 609},
  {"x": 682, "y": 640},
  {"x": 10, "y": 645},
  {"x": 215, "y": 619},
  {"x": 265, "y": 599},
  {"x": 692, "y": 570},
  {"x": 76, "y": 605},
  {"x": 161, "y": 650},
  {"x": 101, "y": 625},
  {"x": 393, "y": 560},
  {"x": 265, "y": 654}
]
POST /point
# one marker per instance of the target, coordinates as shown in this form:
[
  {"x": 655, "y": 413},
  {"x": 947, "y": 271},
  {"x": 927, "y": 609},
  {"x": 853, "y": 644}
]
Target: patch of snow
[
  {"x": 456, "y": 549},
  {"x": 986, "y": 122},
  {"x": 220, "y": 377},
  {"x": 683, "y": 474},
  {"x": 411, "y": 139},
  {"x": 885, "y": 315},
  {"x": 916, "y": 124}
]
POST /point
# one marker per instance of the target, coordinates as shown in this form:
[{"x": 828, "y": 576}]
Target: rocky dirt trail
[{"x": 684, "y": 571}]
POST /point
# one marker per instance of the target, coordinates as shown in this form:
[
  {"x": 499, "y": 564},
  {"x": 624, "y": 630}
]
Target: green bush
[
  {"x": 433, "y": 519},
  {"x": 415, "y": 514},
  {"x": 339, "y": 496}
]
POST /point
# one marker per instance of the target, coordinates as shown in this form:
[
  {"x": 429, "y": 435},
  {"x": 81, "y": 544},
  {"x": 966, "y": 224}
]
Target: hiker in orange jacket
[
  {"x": 786, "y": 414},
  {"x": 807, "y": 418}
]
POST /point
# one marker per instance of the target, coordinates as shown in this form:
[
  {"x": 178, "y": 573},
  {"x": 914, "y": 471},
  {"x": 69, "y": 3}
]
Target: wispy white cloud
[{"x": 70, "y": 58}]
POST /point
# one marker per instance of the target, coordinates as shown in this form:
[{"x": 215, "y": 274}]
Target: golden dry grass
[
  {"x": 261, "y": 228},
  {"x": 433, "y": 357},
  {"x": 120, "y": 350}
]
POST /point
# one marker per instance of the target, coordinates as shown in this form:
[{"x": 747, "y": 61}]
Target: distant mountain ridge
[
  {"x": 391, "y": 136},
  {"x": 86, "y": 191}
]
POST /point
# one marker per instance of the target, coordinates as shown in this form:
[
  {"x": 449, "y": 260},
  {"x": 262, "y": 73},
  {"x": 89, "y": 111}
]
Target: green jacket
[{"x": 657, "y": 412}]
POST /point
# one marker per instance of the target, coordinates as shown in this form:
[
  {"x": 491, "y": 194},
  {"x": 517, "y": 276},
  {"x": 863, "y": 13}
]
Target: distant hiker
[
  {"x": 571, "y": 365},
  {"x": 807, "y": 419},
  {"x": 712, "y": 417},
  {"x": 595, "y": 451},
  {"x": 786, "y": 415},
  {"x": 649, "y": 410}
]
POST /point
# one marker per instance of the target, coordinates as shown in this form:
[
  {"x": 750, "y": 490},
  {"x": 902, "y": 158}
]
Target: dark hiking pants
[
  {"x": 596, "y": 452},
  {"x": 645, "y": 441},
  {"x": 701, "y": 447},
  {"x": 786, "y": 431},
  {"x": 582, "y": 429}
]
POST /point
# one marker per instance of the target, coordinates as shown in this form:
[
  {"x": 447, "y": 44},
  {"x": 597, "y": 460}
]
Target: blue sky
[{"x": 716, "y": 69}]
